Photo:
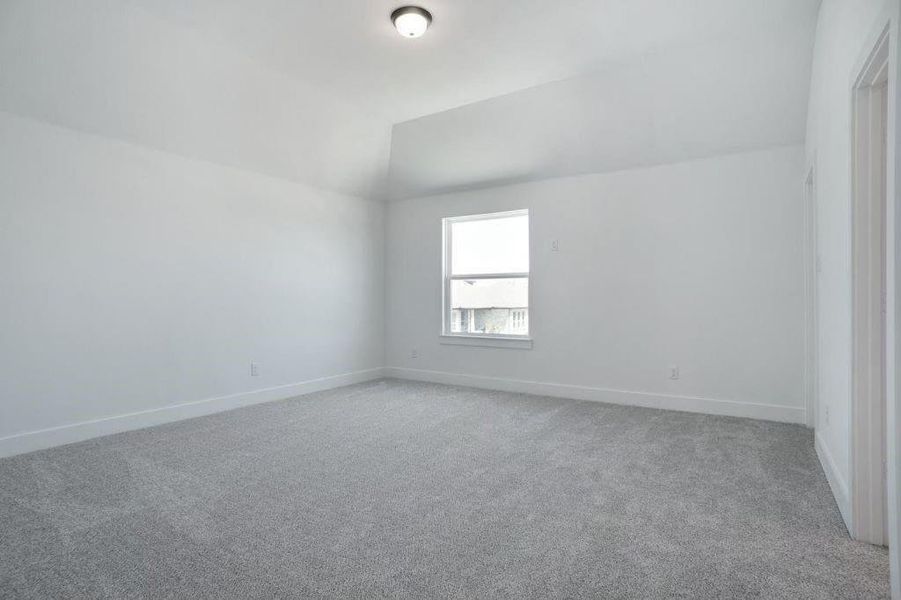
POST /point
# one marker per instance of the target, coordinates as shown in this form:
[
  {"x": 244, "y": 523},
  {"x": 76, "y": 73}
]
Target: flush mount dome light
[{"x": 411, "y": 21}]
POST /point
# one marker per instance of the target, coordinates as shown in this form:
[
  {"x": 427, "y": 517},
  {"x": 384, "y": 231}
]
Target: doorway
[{"x": 869, "y": 218}]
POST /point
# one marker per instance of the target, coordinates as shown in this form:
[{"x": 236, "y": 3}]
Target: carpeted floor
[{"x": 406, "y": 490}]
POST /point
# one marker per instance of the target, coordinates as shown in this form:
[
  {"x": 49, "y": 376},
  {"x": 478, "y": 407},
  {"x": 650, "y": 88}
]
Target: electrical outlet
[
  {"x": 555, "y": 246},
  {"x": 414, "y": 353},
  {"x": 254, "y": 369},
  {"x": 673, "y": 372},
  {"x": 826, "y": 414}
]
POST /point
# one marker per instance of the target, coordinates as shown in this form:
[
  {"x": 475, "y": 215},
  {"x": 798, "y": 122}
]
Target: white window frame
[{"x": 496, "y": 340}]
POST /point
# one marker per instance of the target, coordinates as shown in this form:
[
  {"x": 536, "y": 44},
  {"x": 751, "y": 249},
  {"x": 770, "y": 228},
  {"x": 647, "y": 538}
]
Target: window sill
[{"x": 486, "y": 341}]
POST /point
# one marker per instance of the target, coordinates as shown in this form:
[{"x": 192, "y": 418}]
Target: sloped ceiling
[
  {"x": 498, "y": 90},
  {"x": 475, "y": 50},
  {"x": 686, "y": 103},
  {"x": 108, "y": 68}
]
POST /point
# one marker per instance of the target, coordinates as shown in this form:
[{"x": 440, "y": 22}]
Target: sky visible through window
[{"x": 491, "y": 246}]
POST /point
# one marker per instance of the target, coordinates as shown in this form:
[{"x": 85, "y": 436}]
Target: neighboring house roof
[{"x": 497, "y": 293}]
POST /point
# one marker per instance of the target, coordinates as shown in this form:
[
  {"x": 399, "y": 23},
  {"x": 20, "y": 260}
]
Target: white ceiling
[
  {"x": 108, "y": 68},
  {"x": 476, "y": 49},
  {"x": 745, "y": 93},
  {"x": 324, "y": 91}
]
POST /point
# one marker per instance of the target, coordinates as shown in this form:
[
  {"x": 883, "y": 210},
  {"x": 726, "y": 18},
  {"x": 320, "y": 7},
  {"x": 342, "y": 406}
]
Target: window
[{"x": 486, "y": 275}]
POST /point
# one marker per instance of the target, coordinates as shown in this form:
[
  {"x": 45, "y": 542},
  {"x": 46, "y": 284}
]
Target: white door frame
[
  {"x": 869, "y": 391},
  {"x": 890, "y": 20},
  {"x": 811, "y": 302}
]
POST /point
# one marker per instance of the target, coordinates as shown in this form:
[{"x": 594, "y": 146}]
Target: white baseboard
[
  {"x": 836, "y": 481},
  {"x": 76, "y": 432},
  {"x": 766, "y": 412}
]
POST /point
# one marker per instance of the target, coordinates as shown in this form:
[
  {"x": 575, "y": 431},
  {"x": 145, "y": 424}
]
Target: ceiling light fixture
[{"x": 411, "y": 21}]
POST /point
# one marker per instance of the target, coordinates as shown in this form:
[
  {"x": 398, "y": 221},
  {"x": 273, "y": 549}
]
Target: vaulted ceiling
[
  {"x": 325, "y": 91},
  {"x": 476, "y": 49}
]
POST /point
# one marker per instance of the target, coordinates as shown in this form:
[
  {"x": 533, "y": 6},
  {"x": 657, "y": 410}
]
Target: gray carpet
[{"x": 405, "y": 490}]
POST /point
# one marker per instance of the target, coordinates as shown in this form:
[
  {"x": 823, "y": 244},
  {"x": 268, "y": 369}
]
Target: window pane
[
  {"x": 490, "y": 306},
  {"x": 490, "y": 246}
]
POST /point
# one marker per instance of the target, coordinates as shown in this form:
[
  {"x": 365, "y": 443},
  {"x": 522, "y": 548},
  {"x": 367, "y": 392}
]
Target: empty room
[{"x": 464, "y": 299}]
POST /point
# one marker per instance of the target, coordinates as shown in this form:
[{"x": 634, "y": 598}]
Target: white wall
[
  {"x": 842, "y": 32},
  {"x": 134, "y": 279},
  {"x": 164, "y": 221},
  {"x": 696, "y": 264}
]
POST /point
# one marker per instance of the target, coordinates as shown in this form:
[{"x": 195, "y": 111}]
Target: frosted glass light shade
[{"x": 411, "y": 21}]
